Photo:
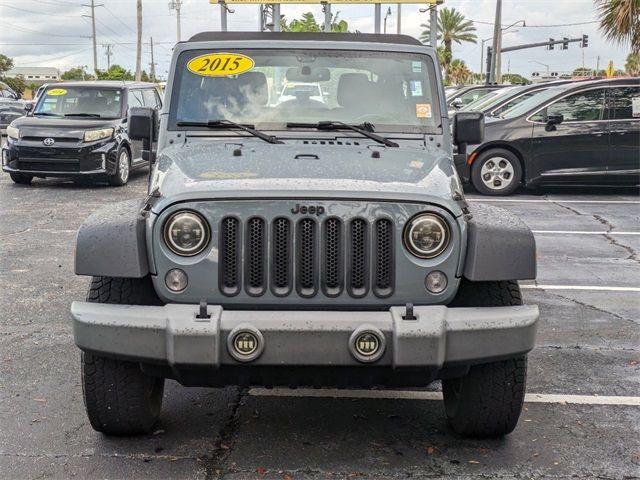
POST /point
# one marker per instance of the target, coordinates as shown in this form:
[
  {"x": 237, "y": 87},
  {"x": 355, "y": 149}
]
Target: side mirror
[
  {"x": 457, "y": 103},
  {"x": 28, "y": 107},
  {"x": 468, "y": 129},
  {"x": 555, "y": 119},
  {"x": 142, "y": 126}
]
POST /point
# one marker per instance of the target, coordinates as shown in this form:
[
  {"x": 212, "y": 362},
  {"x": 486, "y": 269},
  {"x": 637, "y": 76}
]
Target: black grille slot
[
  {"x": 255, "y": 257},
  {"x": 333, "y": 257},
  {"x": 306, "y": 261},
  {"x": 359, "y": 258},
  {"x": 281, "y": 257},
  {"x": 384, "y": 258},
  {"x": 229, "y": 256}
]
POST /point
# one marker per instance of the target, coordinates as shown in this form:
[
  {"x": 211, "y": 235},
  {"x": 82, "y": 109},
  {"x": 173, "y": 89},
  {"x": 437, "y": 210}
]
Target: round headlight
[
  {"x": 426, "y": 235},
  {"x": 186, "y": 233}
]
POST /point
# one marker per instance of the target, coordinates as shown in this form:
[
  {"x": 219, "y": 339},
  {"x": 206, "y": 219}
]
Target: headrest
[
  {"x": 352, "y": 87},
  {"x": 253, "y": 86}
]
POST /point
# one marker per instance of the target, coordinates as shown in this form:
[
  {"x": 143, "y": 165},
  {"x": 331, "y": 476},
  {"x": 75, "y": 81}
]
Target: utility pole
[
  {"x": 108, "y": 48},
  {"x": 139, "y": 41},
  {"x": 386, "y": 15},
  {"x": 399, "y": 19},
  {"x": 433, "y": 26},
  {"x": 497, "y": 31},
  {"x": 377, "y": 14},
  {"x": 176, "y": 5},
  {"x": 152, "y": 67},
  {"x": 93, "y": 7}
]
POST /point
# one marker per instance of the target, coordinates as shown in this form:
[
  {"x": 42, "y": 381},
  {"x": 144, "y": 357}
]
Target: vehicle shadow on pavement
[{"x": 80, "y": 183}]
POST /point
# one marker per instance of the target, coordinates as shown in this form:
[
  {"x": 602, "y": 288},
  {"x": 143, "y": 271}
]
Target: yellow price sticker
[
  {"x": 220, "y": 64},
  {"x": 56, "y": 91}
]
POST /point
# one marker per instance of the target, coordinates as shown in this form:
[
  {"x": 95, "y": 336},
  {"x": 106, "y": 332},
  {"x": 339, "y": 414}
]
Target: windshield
[
  {"x": 80, "y": 101},
  {"x": 481, "y": 103},
  {"x": 392, "y": 91},
  {"x": 531, "y": 103}
]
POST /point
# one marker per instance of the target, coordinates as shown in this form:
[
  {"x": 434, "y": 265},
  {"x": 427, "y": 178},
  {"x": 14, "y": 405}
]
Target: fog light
[
  {"x": 436, "y": 282},
  {"x": 245, "y": 343},
  {"x": 367, "y": 344},
  {"x": 176, "y": 280},
  {"x": 104, "y": 162}
]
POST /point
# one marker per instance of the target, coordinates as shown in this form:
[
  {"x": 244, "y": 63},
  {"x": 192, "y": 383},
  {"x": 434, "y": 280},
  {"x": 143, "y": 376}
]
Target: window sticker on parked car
[
  {"x": 56, "y": 91},
  {"x": 220, "y": 64},
  {"x": 423, "y": 110},
  {"x": 635, "y": 107}
]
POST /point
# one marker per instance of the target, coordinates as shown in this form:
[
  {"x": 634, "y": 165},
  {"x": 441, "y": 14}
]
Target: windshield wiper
[
  {"x": 229, "y": 124},
  {"x": 366, "y": 129},
  {"x": 46, "y": 114},
  {"x": 95, "y": 115}
]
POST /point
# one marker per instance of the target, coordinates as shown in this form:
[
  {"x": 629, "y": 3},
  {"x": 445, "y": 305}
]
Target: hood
[
  {"x": 32, "y": 126},
  {"x": 303, "y": 170}
]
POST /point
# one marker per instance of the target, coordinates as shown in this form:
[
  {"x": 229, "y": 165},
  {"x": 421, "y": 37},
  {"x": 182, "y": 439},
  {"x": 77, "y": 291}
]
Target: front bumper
[{"x": 173, "y": 335}]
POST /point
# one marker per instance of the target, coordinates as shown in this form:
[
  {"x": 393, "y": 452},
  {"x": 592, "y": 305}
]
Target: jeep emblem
[
  {"x": 48, "y": 141},
  {"x": 310, "y": 209}
]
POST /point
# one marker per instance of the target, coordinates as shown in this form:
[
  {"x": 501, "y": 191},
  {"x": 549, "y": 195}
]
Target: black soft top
[{"x": 300, "y": 36}]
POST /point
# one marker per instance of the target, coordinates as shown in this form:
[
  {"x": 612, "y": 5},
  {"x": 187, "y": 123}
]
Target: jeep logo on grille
[
  {"x": 48, "y": 141},
  {"x": 310, "y": 209}
]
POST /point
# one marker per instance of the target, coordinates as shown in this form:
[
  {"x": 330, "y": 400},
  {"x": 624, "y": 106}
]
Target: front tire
[
  {"x": 496, "y": 172},
  {"x": 487, "y": 402},
  {"x": 21, "y": 178},
  {"x": 119, "y": 398},
  {"x": 123, "y": 168}
]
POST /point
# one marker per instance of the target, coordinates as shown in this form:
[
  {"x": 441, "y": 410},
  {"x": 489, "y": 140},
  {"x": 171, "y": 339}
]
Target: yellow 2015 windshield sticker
[
  {"x": 220, "y": 64},
  {"x": 56, "y": 91}
]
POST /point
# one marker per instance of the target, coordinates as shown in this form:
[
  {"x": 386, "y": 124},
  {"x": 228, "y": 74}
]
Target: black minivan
[
  {"x": 78, "y": 129},
  {"x": 585, "y": 133}
]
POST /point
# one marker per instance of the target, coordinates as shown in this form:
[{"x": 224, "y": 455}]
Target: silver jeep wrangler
[{"x": 320, "y": 239}]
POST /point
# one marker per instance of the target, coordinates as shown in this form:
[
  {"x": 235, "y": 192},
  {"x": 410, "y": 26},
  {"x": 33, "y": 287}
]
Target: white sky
[{"x": 54, "y": 32}]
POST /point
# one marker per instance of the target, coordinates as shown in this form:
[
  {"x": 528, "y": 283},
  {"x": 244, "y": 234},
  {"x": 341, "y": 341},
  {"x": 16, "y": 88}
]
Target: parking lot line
[
  {"x": 578, "y": 232},
  {"x": 558, "y": 200},
  {"x": 526, "y": 286},
  {"x": 418, "y": 395}
]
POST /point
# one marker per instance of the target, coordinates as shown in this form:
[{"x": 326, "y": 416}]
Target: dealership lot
[{"x": 581, "y": 419}]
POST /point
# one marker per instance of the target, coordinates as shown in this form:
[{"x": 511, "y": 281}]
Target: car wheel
[
  {"x": 488, "y": 400},
  {"x": 496, "y": 172},
  {"x": 123, "y": 168},
  {"x": 120, "y": 399},
  {"x": 21, "y": 178}
]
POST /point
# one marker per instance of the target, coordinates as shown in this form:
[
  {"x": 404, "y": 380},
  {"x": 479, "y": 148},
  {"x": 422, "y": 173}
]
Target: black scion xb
[{"x": 78, "y": 129}]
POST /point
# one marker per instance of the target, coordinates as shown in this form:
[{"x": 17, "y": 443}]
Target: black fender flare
[
  {"x": 500, "y": 246},
  {"x": 111, "y": 242}
]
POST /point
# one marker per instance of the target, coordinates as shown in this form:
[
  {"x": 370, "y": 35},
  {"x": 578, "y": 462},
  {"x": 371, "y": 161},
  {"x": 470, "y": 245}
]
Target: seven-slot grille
[{"x": 308, "y": 257}]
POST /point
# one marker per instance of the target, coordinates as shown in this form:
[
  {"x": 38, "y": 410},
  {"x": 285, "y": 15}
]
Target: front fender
[
  {"x": 111, "y": 242},
  {"x": 500, "y": 246}
]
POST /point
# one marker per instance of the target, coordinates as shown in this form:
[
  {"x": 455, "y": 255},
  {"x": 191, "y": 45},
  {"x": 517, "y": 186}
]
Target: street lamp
[
  {"x": 482, "y": 51},
  {"x": 499, "y": 47},
  {"x": 386, "y": 15}
]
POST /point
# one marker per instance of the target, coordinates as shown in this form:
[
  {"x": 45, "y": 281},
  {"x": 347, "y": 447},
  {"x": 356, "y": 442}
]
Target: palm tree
[
  {"x": 620, "y": 21},
  {"x": 458, "y": 71},
  {"x": 632, "y": 67},
  {"x": 452, "y": 27},
  {"x": 308, "y": 23}
]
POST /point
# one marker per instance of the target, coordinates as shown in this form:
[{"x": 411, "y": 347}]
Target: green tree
[
  {"x": 620, "y": 21},
  {"x": 452, "y": 27},
  {"x": 582, "y": 72},
  {"x": 308, "y": 23},
  {"x": 632, "y": 65},
  {"x": 515, "y": 79},
  {"x": 6, "y": 64},
  {"x": 115, "y": 72},
  {"x": 459, "y": 72},
  {"x": 17, "y": 84},
  {"x": 144, "y": 76},
  {"x": 76, "y": 73}
]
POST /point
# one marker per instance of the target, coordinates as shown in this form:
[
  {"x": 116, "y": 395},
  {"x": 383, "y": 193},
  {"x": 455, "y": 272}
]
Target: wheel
[
  {"x": 21, "y": 178},
  {"x": 118, "y": 397},
  {"x": 123, "y": 168},
  {"x": 496, "y": 172},
  {"x": 487, "y": 402}
]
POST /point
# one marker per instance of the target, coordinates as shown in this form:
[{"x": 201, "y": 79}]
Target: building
[{"x": 35, "y": 74}]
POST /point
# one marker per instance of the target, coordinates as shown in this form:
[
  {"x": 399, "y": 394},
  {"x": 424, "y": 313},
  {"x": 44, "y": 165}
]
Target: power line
[
  {"x": 541, "y": 26},
  {"x": 29, "y": 30}
]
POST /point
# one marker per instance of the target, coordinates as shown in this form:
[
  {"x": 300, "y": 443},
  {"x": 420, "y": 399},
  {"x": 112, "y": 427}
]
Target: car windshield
[
  {"x": 488, "y": 99},
  {"x": 80, "y": 102},
  {"x": 531, "y": 103},
  {"x": 269, "y": 88}
]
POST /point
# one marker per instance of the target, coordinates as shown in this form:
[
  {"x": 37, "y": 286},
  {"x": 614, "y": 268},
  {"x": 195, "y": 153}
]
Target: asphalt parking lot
[{"x": 581, "y": 418}]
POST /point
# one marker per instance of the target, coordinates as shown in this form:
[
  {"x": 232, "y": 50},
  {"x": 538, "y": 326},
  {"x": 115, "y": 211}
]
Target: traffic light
[
  {"x": 565, "y": 43},
  {"x": 550, "y": 46},
  {"x": 585, "y": 41}
]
